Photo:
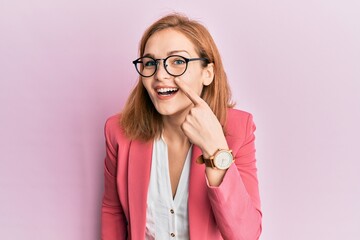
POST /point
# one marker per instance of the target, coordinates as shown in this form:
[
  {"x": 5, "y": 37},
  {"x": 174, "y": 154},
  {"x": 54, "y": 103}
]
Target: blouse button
[
  {"x": 172, "y": 234},
  {"x": 171, "y": 211}
]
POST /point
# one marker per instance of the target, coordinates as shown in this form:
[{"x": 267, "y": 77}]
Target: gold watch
[{"x": 222, "y": 159}]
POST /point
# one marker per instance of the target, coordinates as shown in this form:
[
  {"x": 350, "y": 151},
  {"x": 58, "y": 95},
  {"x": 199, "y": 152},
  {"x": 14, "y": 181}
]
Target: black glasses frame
[{"x": 187, "y": 60}]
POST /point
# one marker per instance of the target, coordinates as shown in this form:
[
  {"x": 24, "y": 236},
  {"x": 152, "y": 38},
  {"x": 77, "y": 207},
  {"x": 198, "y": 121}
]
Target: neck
[{"x": 172, "y": 131}]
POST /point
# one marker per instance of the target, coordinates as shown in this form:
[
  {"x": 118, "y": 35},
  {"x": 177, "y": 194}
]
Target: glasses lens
[
  {"x": 146, "y": 66},
  {"x": 176, "y": 65}
]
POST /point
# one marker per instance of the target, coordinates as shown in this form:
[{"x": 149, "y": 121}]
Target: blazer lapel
[
  {"x": 198, "y": 203},
  {"x": 140, "y": 156}
]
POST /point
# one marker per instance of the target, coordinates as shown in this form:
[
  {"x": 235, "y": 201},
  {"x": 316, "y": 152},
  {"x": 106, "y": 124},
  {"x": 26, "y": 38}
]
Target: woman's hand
[{"x": 201, "y": 125}]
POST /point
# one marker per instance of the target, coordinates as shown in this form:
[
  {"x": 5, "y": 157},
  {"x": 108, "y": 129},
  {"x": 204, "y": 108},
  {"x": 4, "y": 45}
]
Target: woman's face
[{"x": 163, "y": 91}]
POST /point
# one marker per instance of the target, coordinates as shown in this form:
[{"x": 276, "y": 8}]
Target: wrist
[
  {"x": 211, "y": 150},
  {"x": 221, "y": 159}
]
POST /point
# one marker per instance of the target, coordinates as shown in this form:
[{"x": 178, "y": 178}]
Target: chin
[
  {"x": 173, "y": 111},
  {"x": 165, "y": 112}
]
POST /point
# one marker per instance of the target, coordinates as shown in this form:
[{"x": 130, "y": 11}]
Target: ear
[{"x": 208, "y": 74}]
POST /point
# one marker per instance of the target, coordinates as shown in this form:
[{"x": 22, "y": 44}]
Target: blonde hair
[{"x": 139, "y": 118}]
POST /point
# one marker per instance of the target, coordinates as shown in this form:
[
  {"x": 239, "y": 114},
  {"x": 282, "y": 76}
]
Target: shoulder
[
  {"x": 233, "y": 113},
  {"x": 113, "y": 130},
  {"x": 239, "y": 122},
  {"x": 112, "y": 124}
]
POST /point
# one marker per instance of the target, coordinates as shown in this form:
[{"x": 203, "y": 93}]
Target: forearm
[
  {"x": 214, "y": 175},
  {"x": 113, "y": 223},
  {"x": 235, "y": 212},
  {"x": 113, "y": 220}
]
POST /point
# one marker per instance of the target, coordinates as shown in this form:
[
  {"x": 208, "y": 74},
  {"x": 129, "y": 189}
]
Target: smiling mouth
[{"x": 166, "y": 91}]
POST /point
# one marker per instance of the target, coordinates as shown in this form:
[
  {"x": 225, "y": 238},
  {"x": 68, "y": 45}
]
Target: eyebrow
[
  {"x": 177, "y": 51},
  {"x": 168, "y": 54}
]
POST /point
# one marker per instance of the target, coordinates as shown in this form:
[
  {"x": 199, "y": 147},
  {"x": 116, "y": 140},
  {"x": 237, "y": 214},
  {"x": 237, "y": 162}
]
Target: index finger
[{"x": 196, "y": 99}]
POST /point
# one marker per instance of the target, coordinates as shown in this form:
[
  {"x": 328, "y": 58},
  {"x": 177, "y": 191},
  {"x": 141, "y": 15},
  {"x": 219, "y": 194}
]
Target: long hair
[{"x": 139, "y": 119}]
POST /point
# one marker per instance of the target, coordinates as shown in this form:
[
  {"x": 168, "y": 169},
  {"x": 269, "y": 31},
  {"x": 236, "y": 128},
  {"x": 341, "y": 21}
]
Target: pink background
[{"x": 65, "y": 66}]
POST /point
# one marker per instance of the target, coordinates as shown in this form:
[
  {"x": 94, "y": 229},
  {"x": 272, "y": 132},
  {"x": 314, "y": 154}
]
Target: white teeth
[{"x": 163, "y": 90}]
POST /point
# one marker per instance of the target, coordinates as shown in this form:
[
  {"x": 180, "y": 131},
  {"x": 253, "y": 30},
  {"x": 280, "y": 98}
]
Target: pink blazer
[{"x": 230, "y": 211}]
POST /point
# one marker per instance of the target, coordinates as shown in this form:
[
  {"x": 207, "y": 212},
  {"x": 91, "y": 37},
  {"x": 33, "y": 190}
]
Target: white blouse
[{"x": 167, "y": 218}]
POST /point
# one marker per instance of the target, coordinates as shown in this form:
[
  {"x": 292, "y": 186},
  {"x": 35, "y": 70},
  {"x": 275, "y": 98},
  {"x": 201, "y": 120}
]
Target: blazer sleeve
[
  {"x": 113, "y": 220},
  {"x": 236, "y": 202}
]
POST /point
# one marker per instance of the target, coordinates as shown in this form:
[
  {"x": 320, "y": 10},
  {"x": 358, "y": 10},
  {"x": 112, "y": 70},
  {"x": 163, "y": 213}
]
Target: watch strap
[{"x": 208, "y": 162}]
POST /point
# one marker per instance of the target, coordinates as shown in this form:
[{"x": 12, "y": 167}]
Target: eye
[
  {"x": 178, "y": 61},
  {"x": 149, "y": 63}
]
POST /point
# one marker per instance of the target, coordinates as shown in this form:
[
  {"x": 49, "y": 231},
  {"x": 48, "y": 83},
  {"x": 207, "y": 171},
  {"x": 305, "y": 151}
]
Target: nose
[{"x": 161, "y": 72}]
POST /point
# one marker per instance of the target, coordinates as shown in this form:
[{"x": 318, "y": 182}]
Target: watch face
[{"x": 223, "y": 160}]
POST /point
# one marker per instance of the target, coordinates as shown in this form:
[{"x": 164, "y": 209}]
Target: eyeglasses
[{"x": 175, "y": 65}]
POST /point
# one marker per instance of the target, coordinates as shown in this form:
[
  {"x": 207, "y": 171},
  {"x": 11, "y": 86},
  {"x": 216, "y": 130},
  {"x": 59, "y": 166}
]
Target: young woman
[{"x": 180, "y": 161}]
